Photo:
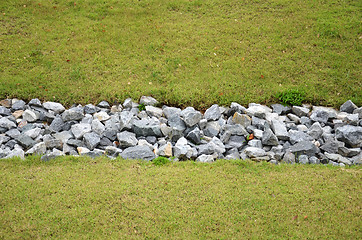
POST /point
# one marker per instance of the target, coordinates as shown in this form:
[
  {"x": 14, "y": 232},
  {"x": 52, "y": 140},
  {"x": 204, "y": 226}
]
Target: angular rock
[
  {"x": 4, "y": 111},
  {"x": 235, "y": 141},
  {"x": 80, "y": 129},
  {"x": 91, "y": 140},
  {"x": 242, "y": 119},
  {"x": 98, "y": 127},
  {"x": 348, "y": 107},
  {"x": 33, "y": 133},
  {"x": 103, "y": 104},
  {"x": 55, "y": 107},
  {"x": 332, "y": 113},
  {"x": 320, "y": 116},
  {"x": 332, "y": 146},
  {"x": 35, "y": 103},
  {"x": 253, "y": 152},
  {"x": 280, "y": 109},
  {"x": 148, "y": 101},
  {"x": 338, "y": 158},
  {"x": 190, "y": 116},
  {"x": 147, "y": 127},
  {"x": 300, "y": 111},
  {"x": 6, "y": 103},
  {"x": 269, "y": 138},
  {"x": 113, "y": 151},
  {"x": 165, "y": 150},
  {"x": 82, "y": 150},
  {"x": 90, "y": 109},
  {"x": 257, "y": 110},
  {"x": 289, "y": 158},
  {"x": 213, "y": 113},
  {"x": 57, "y": 124},
  {"x": 351, "y": 135},
  {"x": 171, "y": 111},
  {"x": 30, "y": 116},
  {"x": 279, "y": 129},
  {"x": 127, "y": 139},
  {"x": 294, "y": 118},
  {"x": 298, "y": 136},
  {"x": 138, "y": 152},
  {"x": 304, "y": 148},
  {"x": 348, "y": 152},
  {"x": 54, "y": 154},
  {"x": 25, "y": 141},
  {"x": 101, "y": 116},
  {"x": 37, "y": 149},
  {"x": 154, "y": 111},
  {"x": 212, "y": 129},
  {"x": 194, "y": 136},
  {"x": 72, "y": 115},
  {"x": 16, "y": 152},
  {"x": 13, "y": 133},
  {"x": 315, "y": 131},
  {"x": 18, "y": 105},
  {"x": 235, "y": 129},
  {"x": 6, "y": 123},
  {"x": 205, "y": 158},
  {"x": 303, "y": 159}
]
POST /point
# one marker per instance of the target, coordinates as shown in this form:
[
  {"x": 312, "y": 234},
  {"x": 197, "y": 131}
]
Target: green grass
[
  {"x": 82, "y": 198},
  {"x": 182, "y": 52}
]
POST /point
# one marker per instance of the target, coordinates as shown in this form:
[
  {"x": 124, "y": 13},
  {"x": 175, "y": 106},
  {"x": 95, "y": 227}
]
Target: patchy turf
[
  {"x": 84, "y": 198},
  {"x": 182, "y": 52}
]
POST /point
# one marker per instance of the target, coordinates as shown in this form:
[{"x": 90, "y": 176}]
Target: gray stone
[
  {"x": 289, "y": 158},
  {"x": 18, "y": 105},
  {"x": 242, "y": 119},
  {"x": 298, "y": 136},
  {"x": 176, "y": 122},
  {"x": 138, "y": 152},
  {"x": 194, "y": 136},
  {"x": 103, "y": 104},
  {"x": 269, "y": 138},
  {"x": 75, "y": 143},
  {"x": 165, "y": 150},
  {"x": 257, "y": 110},
  {"x": 111, "y": 124},
  {"x": 113, "y": 151},
  {"x": 147, "y": 127},
  {"x": 98, "y": 127},
  {"x": 91, "y": 140},
  {"x": 30, "y": 116},
  {"x": 258, "y": 133},
  {"x": 280, "y": 109},
  {"x": 33, "y": 133},
  {"x": 213, "y": 113},
  {"x": 351, "y": 135},
  {"x": 205, "y": 158},
  {"x": 125, "y": 120},
  {"x": 304, "y": 148},
  {"x": 300, "y": 111},
  {"x": 235, "y": 129},
  {"x": 255, "y": 143},
  {"x": 332, "y": 146},
  {"x": 82, "y": 150},
  {"x": 348, "y": 152},
  {"x": 294, "y": 118},
  {"x": 183, "y": 152},
  {"x": 348, "y": 107},
  {"x": 52, "y": 143},
  {"x": 54, "y": 154},
  {"x": 303, "y": 159},
  {"x": 57, "y": 124},
  {"x": 127, "y": 139},
  {"x": 90, "y": 109},
  {"x": 253, "y": 152},
  {"x": 101, "y": 116},
  {"x": 154, "y": 111},
  {"x": 212, "y": 129},
  {"x": 190, "y": 116},
  {"x": 35, "y": 102},
  {"x": 16, "y": 152},
  {"x": 217, "y": 145},
  {"x": 105, "y": 142},
  {"x": 25, "y": 141},
  {"x": 258, "y": 122},
  {"x": 72, "y": 115},
  {"x": 37, "y": 149},
  {"x": 4, "y": 139},
  {"x": 319, "y": 116},
  {"x": 171, "y": 111},
  {"x": 53, "y": 106},
  {"x": 352, "y": 119},
  {"x": 315, "y": 131},
  {"x": 235, "y": 107},
  {"x": 6, "y": 123},
  {"x": 338, "y": 158},
  {"x": 279, "y": 129},
  {"x": 148, "y": 101},
  {"x": 13, "y": 133},
  {"x": 4, "y": 111},
  {"x": 314, "y": 160},
  {"x": 235, "y": 141},
  {"x": 127, "y": 103},
  {"x": 332, "y": 113},
  {"x": 80, "y": 129}
]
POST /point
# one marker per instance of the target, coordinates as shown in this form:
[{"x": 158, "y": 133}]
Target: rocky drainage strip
[{"x": 299, "y": 134}]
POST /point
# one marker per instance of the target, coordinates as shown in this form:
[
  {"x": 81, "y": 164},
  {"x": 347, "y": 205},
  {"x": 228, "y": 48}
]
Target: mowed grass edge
[{"x": 99, "y": 198}]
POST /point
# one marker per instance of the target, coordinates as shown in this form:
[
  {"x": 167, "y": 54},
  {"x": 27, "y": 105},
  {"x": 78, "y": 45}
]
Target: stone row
[{"x": 291, "y": 134}]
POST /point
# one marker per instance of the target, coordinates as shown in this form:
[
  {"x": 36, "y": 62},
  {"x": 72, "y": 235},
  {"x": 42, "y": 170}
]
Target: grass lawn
[
  {"x": 182, "y": 52},
  {"x": 82, "y": 198}
]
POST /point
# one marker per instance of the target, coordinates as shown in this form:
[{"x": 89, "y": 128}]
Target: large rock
[
  {"x": 253, "y": 152},
  {"x": 63, "y": 136},
  {"x": 332, "y": 113},
  {"x": 80, "y": 129},
  {"x": 6, "y": 123},
  {"x": 33, "y": 133},
  {"x": 332, "y": 146},
  {"x": 288, "y": 158},
  {"x": 16, "y": 152},
  {"x": 190, "y": 116},
  {"x": 53, "y": 106},
  {"x": 280, "y": 109},
  {"x": 349, "y": 152},
  {"x": 4, "y": 111},
  {"x": 98, "y": 127},
  {"x": 72, "y": 115},
  {"x": 138, "y": 152},
  {"x": 37, "y": 149},
  {"x": 176, "y": 122},
  {"x": 90, "y": 109},
  {"x": 57, "y": 124},
  {"x": 338, "y": 158},
  {"x": 147, "y": 127},
  {"x": 298, "y": 136},
  {"x": 320, "y": 116},
  {"x": 194, "y": 136},
  {"x": 18, "y": 105},
  {"x": 171, "y": 111},
  {"x": 257, "y": 110},
  {"x": 148, "y": 101},
  {"x": 269, "y": 138},
  {"x": 30, "y": 116},
  {"x": 213, "y": 113},
  {"x": 91, "y": 140},
  {"x": 304, "y": 148},
  {"x": 165, "y": 150},
  {"x": 279, "y": 129},
  {"x": 300, "y": 111},
  {"x": 315, "y": 131},
  {"x": 127, "y": 139},
  {"x": 242, "y": 119},
  {"x": 154, "y": 111},
  {"x": 25, "y": 141},
  {"x": 350, "y": 135},
  {"x": 205, "y": 158},
  {"x": 212, "y": 129},
  {"x": 348, "y": 107}
]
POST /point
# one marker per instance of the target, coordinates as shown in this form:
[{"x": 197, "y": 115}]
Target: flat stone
[
  {"x": 304, "y": 148},
  {"x": 190, "y": 116},
  {"x": 138, "y": 152},
  {"x": 98, "y": 127},
  {"x": 147, "y": 127},
  {"x": 348, "y": 152},
  {"x": 148, "y": 101},
  {"x": 6, "y": 123},
  {"x": 269, "y": 138},
  {"x": 127, "y": 139},
  {"x": 279, "y": 129},
  {"x": 300, "y": 111},
  {"x": 213, "y": 113},
  {"x": 13, "y": 133},
  {"x": 338, "y": 158},
  {"x": 154, "y": 111},
  {"x": 205, "y": 158},
  {"x": 91, "y": 140},
  {"x": 72, "y": 115},
  {"x": 25, "y": 141},
  {"x": 101, "y": 116},
  {"x": 320, "y": 116},
  {"x": 332, "y": 146},
  {"x": 348, "y": 107},
  {"x": 350, "y": 135},
  {"x": 55, "y": 107},
  {"x": 18, "y": 105},
  {"x": 37, "y": 149},
  {"x": 80, "y": 129}
]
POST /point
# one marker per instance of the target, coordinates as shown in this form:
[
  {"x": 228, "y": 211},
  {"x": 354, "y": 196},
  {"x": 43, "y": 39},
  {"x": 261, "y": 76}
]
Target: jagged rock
[
  {"x": 235, "y": 107},
  {"x": 55, "y": 153},
  {"x": 332, "y": 113},
  {"x": 148, "y": 101},
  {"x": 35, "y": 102},
  {"x": 314, "y": 160},
  {"x": 52, "y": 143},
  {"x": 165, "y": 150},
  {"x": 304, "y": 148},
  {"x": 257, "y": 110},
  {"x": 294, "y": 118},
  {"x": 90, "y": 109},
  {"x": 212, "y": 129},
  {"x": 235, "y": 129},
  {"x": 17, "y": 114},
  {"x": 127, "y": 139},
  {"x": 255, "y": 143},
  {"x": 113, "y": 151},
  {"x": 300, "y": 111},
  {"x": 80, "y": 129},
  {"x": 253, "y": 152},
  {"x": 171, "y": 111},
  {"x": 288, "y": 158},
  {"x": 138, "y": 152},
  {"x": 320, "y": 116},
  {"x": 104, "y": 104},
  {"x": 154, "y": 111},
  {"x": 347, "y": 152},
  {"x": 30, "y": 116},
  {"x": 4, "y": 111},
  {"x": 176, "y": 122},
  {"x": 194, "y": 136},
  {"x": 279, "y": 129},
  {"x": 205, "y": 158},
  {"x": 33, "y": 133},
  {"x": 57, "y": 124},
  {"x": 280, "y": 109},
  {"x": 351, "y": 119},
  {"x": 6, "y": 123},
  {"x": 269, "y": 138},
  {"x": 298, "y": 136},
  {"x": 242, "y": 119},
  {"x": 338, "y": 158},
  {"x": 72, "y": 115},
  {"x": 332, "y": 146},
  {"x": 55, "y": 107},
  {"x": 16, "y": 152},
  {"x": 37, "y": 149},
  {"x": 235, "y": 141},
  {"x": 82, "y": 150},
  {"x": 4, "y": 139},
  {"x": 190, "y": 116},
  {"x": 212, "y": 113},
  {"x": 98, "y": 127},
  {"x": 303, "y": 159},
  {"x": 348, "y": 107},
  {"x": 147, "y": 127},
  {"x": 101, "y": 116},
  {"x": 18, "y": 105},
  {"x": 91, "y": 140},
  {"x": 13, "y": 133},
  {"x": 315, "y": 131},
  {"x": 351, "y": 135},
  {"x": 25, "y": 141}
]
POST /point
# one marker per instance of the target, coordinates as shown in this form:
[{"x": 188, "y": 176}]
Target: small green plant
[
  {"x": 141, "y": 107},
  {"x": 160, "y": 161},
  {"x": 292, "y": 97}
]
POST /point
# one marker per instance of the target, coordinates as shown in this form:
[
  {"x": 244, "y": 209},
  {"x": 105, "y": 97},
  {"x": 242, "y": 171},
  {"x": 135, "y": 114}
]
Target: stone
[
  {"x": 13, "y": 133},
  {"x": 205, "y": 158},
  {"x": 82, "y": 150},
  {"x": 293, "y": 118},
  {"x": 194, "y": 136},
  {"x": 289, "y": 158},
  {"x": 212, "y": 129},
  {"x": 338, "y": 158},
  {"x": 111, "y": 124},
  {"x": 35, "y": 102},
  {"x": 37, "y": 149},
  {"x": 98, "y": 127},
  {"x": 348, "y": 152},
  {"x": 257, "y": 110},
  {"x": 127, "y": 103},
  {"x": 235, "y": 129},
  {"x": 348, "y": 107},
  {"x": 280, "y": 109},
  {"x": 314, "y": 160},
  {"x": 113, "y": 151},
  {"x": 300, "y": 111},
  {"x": 4, "y": 139},
  {"x": 176, "y": 122},
  {"x": 17, "y": 114},
  {"x": 30, "y": 116},
  {"x": 101, "y": 116},
  {"x": 253, "y": 152},
  {"x": 332, "y": 146},
  {"x": 104, "y": 104},
  {"x": 16, "y": 152},
  {"x": 320, "y": 116},
  {"x": 165, "y": 150},
  {"x": 171, "y": 111},
  {"x": 258, "y": 122},
  {"x": 255, "y": 143},
  {"x": 33, "y": 133},
  {"x": 147, "y": 127},
  {"x": 25, "y": 141},
  {"x": 53, "y": 106},
  {"x": 52, "y": 143},
  {"x": 18, "y": 105},
  {"x": 57, "y": 124},
  {"x": 303, "y": 159},
  {"x": 269, "y": 138},
  {"x": 258, "y": 133},
  {"x": 148, "y": 101},
  {"x": 80, "y": 129},
  {"x": 6, "y": 103},
  {"x": 304, "y": 148},
  {"x": 242, "y": 119},
  {"x": 332, "y": 113},
  {"x": 298, "y": 136},
  {"x": 279, "y": 129},
  {"x": 351, "y": 119},
  {"x": 213, "y": 113},
  {"x": 235, "y": 141},
  {"x": 127, "y": 139},
  {"x": 72, "y": 115},
  {"x": 235, "y": 107},
  {"x": 190, "y": 116},
  {"x": 315, "y": 131},
  {"x": 6, "y": 123},
  {"x": 90, "y": 109},
  {"x": 91, "y": 140},
  {"x": 4, "y": 111},
  {"x": 184, "y": 152},
  {"x": 350, "y": 135},
  {"x": 154, "y": 111},
  {"x": 75, "y": 143},
  {"x": 138, "y": 152},
  {"x": 54, "y": 154}
]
